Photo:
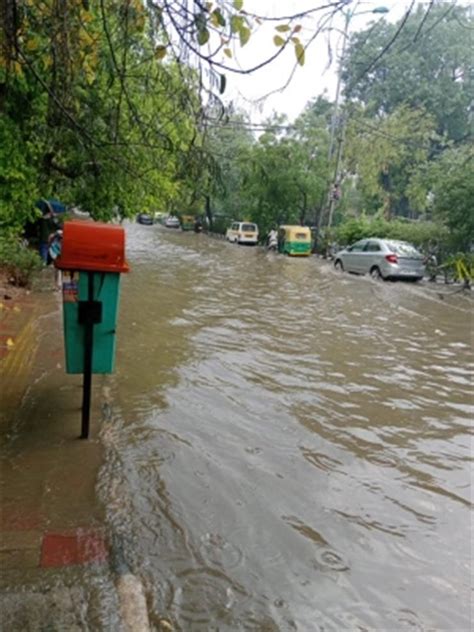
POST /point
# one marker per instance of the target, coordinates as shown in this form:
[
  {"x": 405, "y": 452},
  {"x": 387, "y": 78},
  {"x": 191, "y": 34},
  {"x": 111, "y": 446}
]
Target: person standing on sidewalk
[
  {"x": 55, "y": 244},
  {"x": 45, "y": 228}
]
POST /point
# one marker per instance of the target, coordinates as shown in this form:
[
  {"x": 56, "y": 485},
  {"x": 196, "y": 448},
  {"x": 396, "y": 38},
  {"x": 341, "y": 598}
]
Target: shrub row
[
  {"x": 427, "y": 236},
  {"x": 17, "y": 260}
]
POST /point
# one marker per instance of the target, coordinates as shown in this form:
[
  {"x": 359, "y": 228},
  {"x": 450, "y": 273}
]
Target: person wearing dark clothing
[{"x": 45, "y": 228}]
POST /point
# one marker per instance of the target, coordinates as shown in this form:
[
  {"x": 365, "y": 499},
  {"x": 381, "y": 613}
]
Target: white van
[{"x": 242, "y": 233}]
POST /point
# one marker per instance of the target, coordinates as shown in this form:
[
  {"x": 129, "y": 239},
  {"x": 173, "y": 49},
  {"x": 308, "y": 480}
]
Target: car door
[
  {"x": 352, "y": 259},
  {"x": 372, "y": 252}
]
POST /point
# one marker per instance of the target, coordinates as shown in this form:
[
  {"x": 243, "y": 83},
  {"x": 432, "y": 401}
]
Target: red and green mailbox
[{"x": 92, "y": 259}]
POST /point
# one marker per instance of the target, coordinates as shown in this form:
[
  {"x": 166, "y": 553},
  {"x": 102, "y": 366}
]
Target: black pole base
[{"x": 89, "y": 313}]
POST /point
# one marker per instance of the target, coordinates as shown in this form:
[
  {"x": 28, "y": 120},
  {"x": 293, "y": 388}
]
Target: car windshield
[
  {"x": 300, "y": 235},
  {"x": 249, "y": 227},
  {"x": 403, "y": 249}
]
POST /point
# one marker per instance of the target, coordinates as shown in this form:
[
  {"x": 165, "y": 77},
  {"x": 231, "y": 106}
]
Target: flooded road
[{"x": 287, "y": 448}]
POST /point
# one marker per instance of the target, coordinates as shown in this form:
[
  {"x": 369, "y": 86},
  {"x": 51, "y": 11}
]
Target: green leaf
[
  {"x": 228, "y": 52},
  {"x": 299, "y": 51},
  {"x": 236, "y": 23},
  {"x": 203, "y": 37},
  {"x": 160, "y": 52},
  {"x": 238, "y": 4},
  {"x": 244, "y": 35},
  {"x": 200, "y": 20},
  {"x": 278, "y": 41},
  {"x": 222, "y": 84},
  {"x": 282, "y": 28},
  {"x": 217, "y": 18}
]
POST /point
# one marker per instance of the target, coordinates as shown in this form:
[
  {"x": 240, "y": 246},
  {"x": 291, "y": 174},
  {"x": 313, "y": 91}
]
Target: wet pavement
[
  {"x": 53, "y": 547},
  {"x": 281, "y": 448}
]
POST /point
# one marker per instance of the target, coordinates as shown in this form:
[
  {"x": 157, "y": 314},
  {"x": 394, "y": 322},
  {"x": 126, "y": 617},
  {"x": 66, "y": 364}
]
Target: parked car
[
  {"x": 242, "y": 233},
  {"x": 382, "y": 259},
  {"x": 171, "y": 222},
  {"x": 144, "y": 218}
]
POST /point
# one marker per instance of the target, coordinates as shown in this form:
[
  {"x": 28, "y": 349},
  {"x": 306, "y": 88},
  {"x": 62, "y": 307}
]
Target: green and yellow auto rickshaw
[
  {"x": 294, "y": 240},
  {"x": 187, "y": 222}
]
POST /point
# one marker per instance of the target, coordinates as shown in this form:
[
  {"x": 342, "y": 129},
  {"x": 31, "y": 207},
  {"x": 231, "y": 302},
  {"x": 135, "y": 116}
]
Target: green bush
[
  {"x": 424, "y": 235},
  {"x": 18, "y": 261}
]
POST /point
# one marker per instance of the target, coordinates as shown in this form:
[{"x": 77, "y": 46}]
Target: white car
[
  {"x": 242, "y": 233},
  {"x": 382, "y": 259},
  {"x": 171, "y": 222}
]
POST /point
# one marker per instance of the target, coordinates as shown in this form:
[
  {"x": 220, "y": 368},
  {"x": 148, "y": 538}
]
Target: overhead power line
[
  {"x": 362, "y": 125},
  {"x": 389, "y": 44}
]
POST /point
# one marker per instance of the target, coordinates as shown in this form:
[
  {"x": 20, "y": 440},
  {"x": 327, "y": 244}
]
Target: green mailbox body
[{"x": 92, "y": 259}]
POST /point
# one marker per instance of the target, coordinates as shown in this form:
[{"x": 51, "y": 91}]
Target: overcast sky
[{"x": 314, "y": 77}]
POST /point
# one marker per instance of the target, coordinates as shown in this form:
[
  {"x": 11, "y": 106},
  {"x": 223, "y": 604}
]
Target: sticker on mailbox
[{"x": 70, "y": 291}]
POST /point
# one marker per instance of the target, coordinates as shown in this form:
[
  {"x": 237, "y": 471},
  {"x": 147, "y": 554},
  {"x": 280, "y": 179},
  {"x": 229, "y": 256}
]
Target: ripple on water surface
[{"x": 294, "y": 443}]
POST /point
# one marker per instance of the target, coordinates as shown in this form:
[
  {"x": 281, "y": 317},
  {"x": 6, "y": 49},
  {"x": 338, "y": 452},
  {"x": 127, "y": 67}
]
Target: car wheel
[
  {"x": 338, "y": 265},
  {"x": 376, "y": 274}
]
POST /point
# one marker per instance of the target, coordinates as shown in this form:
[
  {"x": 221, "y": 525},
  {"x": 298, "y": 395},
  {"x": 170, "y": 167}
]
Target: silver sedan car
[{"x": 382, "y": 259}]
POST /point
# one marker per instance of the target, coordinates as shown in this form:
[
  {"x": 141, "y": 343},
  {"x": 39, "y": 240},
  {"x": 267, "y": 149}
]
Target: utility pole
[
  {"x": 340, "y": 148},
  {"x": 335, "y": 114},
  {"x": 329, "y": 205},
  {"x": 330, "y": 200}
]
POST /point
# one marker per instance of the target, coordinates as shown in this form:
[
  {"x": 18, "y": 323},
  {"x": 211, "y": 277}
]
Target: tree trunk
[{"x": 209, "y": 212}]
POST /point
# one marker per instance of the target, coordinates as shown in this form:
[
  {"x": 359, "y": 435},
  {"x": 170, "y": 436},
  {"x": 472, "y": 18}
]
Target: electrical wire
[{"x": 387, "y": 46}]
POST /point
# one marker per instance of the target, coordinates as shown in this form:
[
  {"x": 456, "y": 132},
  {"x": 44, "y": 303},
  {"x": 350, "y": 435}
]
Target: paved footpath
[{"x": 54, "y": 556}]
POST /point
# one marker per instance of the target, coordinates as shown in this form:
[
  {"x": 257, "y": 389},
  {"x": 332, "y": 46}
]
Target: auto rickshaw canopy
[{"x": 295, "y": 233}]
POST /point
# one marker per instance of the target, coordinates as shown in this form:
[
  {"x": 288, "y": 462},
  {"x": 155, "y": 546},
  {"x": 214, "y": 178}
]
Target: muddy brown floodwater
[{"x": 288, "y": 448}]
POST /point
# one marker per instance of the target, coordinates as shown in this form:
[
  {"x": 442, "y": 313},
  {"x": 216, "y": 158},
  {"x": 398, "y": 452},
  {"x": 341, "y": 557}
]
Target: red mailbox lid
[{"x": 92, "y": 246}]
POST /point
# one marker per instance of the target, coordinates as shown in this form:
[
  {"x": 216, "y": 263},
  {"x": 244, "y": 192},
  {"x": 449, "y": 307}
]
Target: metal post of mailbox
[{"x": 88, "y": 348}]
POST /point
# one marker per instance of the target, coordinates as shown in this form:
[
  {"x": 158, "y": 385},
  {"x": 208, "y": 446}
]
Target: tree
[
  {"x": 452, "y": 186},
  {"x": 229, "y": 141},
  {"x": 428, "y": 65},
  {"x": 99, "y": 121},
  {"x": 311, "y": 134},
  {"x": 385, "y": 153},
  {"x": 279, "y": 177},
  {"x": 105, "y": 99}
]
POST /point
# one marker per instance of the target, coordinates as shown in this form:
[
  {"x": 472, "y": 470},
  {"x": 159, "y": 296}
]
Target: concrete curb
[{"x": 132, "y": 601}]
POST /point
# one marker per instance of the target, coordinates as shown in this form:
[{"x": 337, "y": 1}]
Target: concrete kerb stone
[{"x": 133, "y": 608}]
